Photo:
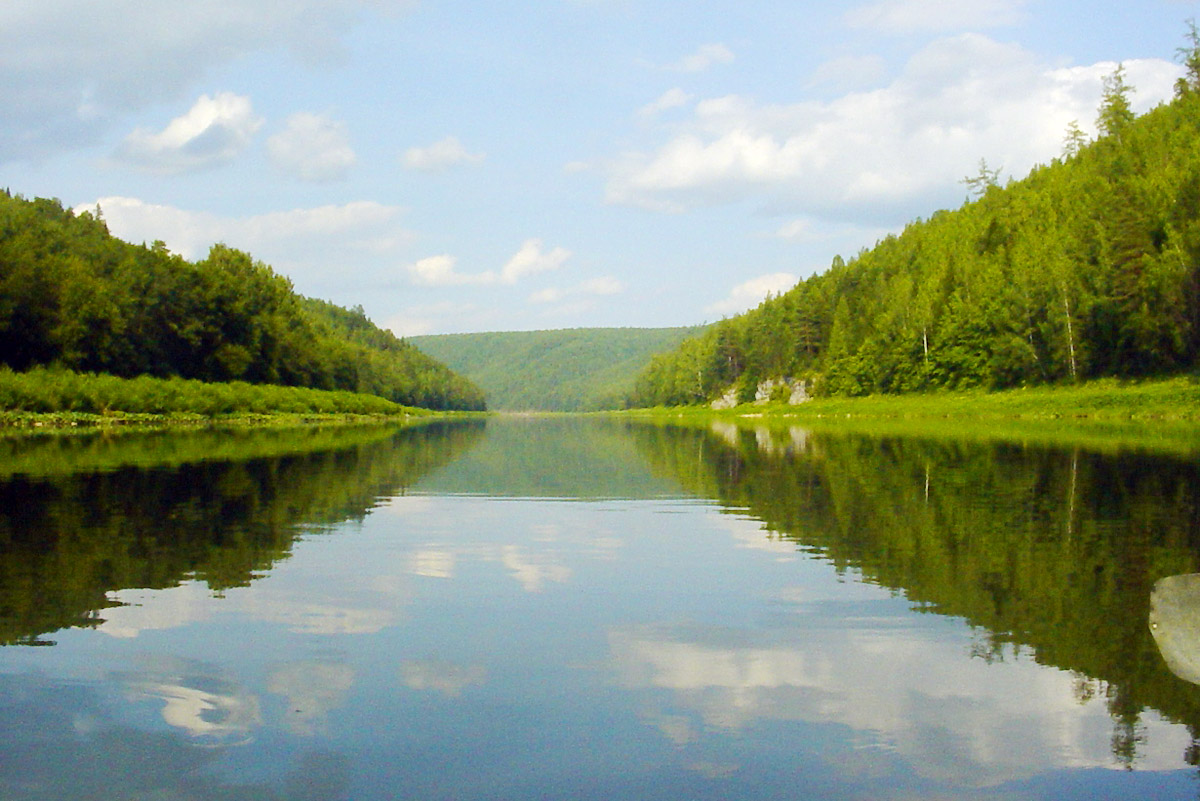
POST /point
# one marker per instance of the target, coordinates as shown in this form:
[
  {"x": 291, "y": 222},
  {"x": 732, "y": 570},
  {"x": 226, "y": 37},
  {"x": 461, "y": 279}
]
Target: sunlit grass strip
[
  {"x": 1106, "y": 415},
  {"x": 1106, "y": 399},
  {"x": 85, "y": 398}
]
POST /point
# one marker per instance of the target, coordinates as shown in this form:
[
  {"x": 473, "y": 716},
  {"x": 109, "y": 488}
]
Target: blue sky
[{"x": 478, "y": 166}]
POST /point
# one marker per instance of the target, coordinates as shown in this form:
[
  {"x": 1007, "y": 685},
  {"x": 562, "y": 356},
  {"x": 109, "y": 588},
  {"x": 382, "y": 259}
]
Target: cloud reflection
[
  {"x": 443, "y": 677},
  {"x": 197, "y": 700},
  {"x": 313, "y": 690},
  {"x": 908, "y": 690}
]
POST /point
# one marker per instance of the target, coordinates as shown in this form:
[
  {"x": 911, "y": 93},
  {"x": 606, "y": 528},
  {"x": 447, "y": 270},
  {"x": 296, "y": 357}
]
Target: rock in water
[{"x": 1175, "y": 623}]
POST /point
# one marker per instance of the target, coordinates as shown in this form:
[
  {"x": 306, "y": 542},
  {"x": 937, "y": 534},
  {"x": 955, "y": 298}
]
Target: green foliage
[
  {"x": 1088, "y": 267},
  {"x": 580, "y": 369},
  {"x": 48, "y": 390},
  {"x": 74, "y": 297}
]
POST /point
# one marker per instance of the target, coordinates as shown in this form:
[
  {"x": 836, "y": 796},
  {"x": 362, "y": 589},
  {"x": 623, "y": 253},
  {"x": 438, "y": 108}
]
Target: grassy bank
[
  {"x": 51, "y": 398},
  {"x": 1172, "y": 399},
  {"x": 1159, "y": 415}
]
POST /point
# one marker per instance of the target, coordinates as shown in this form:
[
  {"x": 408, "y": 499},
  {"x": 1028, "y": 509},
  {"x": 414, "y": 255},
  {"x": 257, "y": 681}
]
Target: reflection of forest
[
  {"x": 552, "y": 457},
  {"x": 1051, "y": 550},
  {"x": 68, "y": 539}
]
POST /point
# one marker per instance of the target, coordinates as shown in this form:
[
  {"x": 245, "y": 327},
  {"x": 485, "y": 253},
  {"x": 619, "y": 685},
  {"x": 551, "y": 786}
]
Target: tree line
[
  {"x": 74, "y": 296},
  {"x": 1088, "y": 267}
]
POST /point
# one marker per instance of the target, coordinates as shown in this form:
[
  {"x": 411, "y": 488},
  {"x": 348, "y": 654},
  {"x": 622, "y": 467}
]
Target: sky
[{"x": 458, "y": 166}]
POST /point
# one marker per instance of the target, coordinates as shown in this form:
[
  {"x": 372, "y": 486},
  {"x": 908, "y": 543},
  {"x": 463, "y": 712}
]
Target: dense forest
[
  {"x": 1088, "y": 267},
  {"x": 74, "y": 296},
  {"x": 570, "y": 370}
]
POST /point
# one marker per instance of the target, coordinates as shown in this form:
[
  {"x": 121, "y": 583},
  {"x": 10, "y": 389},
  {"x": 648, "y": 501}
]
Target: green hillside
[
  {"x": 579, "y": 369},
  {"x": 1089, "y": 267},
  {"x": 73, "y": 296}
]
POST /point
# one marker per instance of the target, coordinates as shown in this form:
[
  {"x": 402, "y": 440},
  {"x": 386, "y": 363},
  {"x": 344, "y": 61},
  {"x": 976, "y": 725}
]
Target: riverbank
[
  {"x": 52, "y": 399},
  {"x": 1171, "y": 399},
  {"x": 1160, "y": 415}
]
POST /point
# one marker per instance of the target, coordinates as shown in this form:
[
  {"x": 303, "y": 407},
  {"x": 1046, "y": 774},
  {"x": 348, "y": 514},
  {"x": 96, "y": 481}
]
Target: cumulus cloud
[
  {"x": 893, "y": 150},
  {"x": 214, "y": 131},
  {"x": 442, "y": 270},
  {"x": 672, "y": 98},
  {"x": 364, "y": 226},
  {"x": 604, "y": 285},
  {"x": 704, "y": 57},
  {"x": 441, "y": 155},
  {"x": 71, "y": 68},
  {"x": 344, "y": 253},
  {"x": 312, "y": 147},
  {"x": 750, "y": 293},
  {"x": 907, "y": 16},
  {"x": 531, "y": 259}
]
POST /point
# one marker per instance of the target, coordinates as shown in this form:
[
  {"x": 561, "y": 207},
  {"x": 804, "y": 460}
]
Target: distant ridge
[{"x": 566, "y": 370}]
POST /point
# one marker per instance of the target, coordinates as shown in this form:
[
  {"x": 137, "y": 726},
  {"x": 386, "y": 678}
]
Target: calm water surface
[{"x": 552, "y": 609}]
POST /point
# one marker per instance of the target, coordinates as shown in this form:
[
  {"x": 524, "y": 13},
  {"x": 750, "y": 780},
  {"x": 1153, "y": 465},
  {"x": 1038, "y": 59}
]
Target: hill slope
[
  {"x": 1088, "y": 267},
  {"x": 580, "y": 369},
  {"x": 74, "y": 296}
]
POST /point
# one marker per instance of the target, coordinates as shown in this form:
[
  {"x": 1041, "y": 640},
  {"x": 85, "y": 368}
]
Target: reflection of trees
[
  {"x": 69, "y": 539},
  {"x": 552, "y": 457},
  {"x": 1054, "y": 550}
]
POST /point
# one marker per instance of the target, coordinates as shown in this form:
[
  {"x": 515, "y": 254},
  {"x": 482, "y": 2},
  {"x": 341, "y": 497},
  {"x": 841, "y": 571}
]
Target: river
[{"x": 578, "y": 608}]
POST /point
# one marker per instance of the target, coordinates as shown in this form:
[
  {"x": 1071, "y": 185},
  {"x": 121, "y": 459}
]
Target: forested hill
[
  {"x": 581, "y": 369},
  {"x": 74, "y": 296},
  {"x": 1088, "y": 267}
]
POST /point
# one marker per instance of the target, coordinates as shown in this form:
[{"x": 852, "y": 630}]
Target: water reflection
[
  {"x": 1043, "y": 550},
  {"x": 458, "y": 613},
  {"x": 197, "y": 700},
  {"x": 71, "y": 542},
  {"x": 313, "y": 689}
]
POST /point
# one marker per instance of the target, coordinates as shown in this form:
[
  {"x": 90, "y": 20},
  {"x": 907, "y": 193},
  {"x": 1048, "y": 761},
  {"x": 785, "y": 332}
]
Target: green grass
[
  {"x": 1171, "y": 399},
  {"x": 48, "y": 397},
  {"x": 1160, "y": 415}
]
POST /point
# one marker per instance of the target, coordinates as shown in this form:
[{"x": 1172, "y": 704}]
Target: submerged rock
[{"x": 1175, "y": 623}]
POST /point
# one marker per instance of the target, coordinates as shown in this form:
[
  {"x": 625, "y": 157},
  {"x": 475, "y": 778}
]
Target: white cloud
[
  {"x": 704, "y": 57},
  {"x": 672, "y": 98},
  {"x": 343, "y": 253},
  {"x": 893, "y": 151},
  {"x": 214, "y": 131},
  {"x": 441, "y": 155},
  {"x": 800, "y": 229},
  {"x": 70, "y": 68},
  {"x": 442, "y": 270},
  {"x": 531, "y": 259},
  {"x": 312, "y": 147},
  {"x": 906, "y": 16},
  {"x": 604, "y": 285},
  {"x": 750, "y": 293},
  {"x": 364, "y": 226}
]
